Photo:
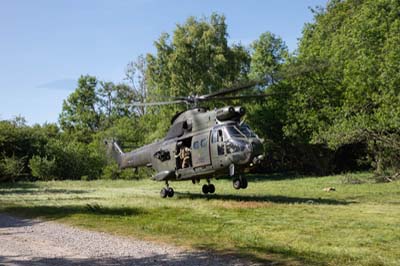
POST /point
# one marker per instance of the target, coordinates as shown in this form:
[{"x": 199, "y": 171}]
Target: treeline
[{"x": 338, "y": 108}]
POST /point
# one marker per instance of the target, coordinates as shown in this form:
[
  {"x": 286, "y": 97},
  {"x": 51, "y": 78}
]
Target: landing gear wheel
[
  {"x": 236, "y": 183},
  {"x": 205, "y": 189},
  {"x": 243, "y": 183},
  {"x": 164, "y": 193},
  {"x": 211, "y": 188},
  {"x": 170, "y": 192}
]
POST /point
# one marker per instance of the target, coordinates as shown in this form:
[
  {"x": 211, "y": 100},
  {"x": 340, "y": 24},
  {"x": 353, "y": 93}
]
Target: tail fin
[{"x": 114, "y": 151}]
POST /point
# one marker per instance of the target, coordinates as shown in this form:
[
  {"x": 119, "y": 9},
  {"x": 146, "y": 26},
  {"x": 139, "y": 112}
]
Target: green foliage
[
  {"x": 43, "y": 168},
  {"x": 135, "y": 74},
  {"x": 129, "y": 132},
  {"x": 197, "y": 60},
  {"x": 75, "y": 159},
  {"x": 346, "y": 79},
  {"x": 80, "y": 111},
  {"x": 268, "y": 56},
  {"x": 115, "y": 102},
  {"x": 19, "y": 142},
  {"x": 111, "y": 171},
  {"x": 11, "y": 168},
  {"x": 269, "y": 53}
]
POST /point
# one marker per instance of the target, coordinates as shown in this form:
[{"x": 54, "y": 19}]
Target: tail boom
[{"x": 133, "y": 159}]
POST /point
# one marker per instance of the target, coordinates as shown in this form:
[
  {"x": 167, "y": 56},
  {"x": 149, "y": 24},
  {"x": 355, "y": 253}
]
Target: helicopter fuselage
[{"x": 219, "y": 145}]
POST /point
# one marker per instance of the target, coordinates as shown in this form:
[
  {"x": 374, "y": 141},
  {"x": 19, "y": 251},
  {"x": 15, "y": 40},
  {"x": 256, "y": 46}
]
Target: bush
[
  {"x": 11, "y": 168},
  {"x": 111, "y": 171},
  {"x": 74, "y": 159},
  {"x": 42, "y": 168}
]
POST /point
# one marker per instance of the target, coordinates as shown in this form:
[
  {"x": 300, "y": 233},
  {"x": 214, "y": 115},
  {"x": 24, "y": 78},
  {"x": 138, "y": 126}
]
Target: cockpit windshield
[
  {"x": 233, "y": 132},
  {"x": 245, "y": 129}
]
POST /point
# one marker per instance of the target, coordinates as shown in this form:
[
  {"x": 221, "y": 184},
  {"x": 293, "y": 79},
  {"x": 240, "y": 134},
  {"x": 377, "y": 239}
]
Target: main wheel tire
[
  {"x": 170, "y": 191},
  {"x": 211, "y": 188},
  {"x": 164, "y": 193},
  {"x": 236, "y": 183},
  {"x": 205, "y": 189},
  {"x": 243, "y": 183}
]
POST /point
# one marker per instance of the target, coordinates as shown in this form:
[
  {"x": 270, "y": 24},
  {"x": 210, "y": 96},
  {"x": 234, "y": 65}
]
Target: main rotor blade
[
  {"x": 244, "y": 97},
  {"x": 158, "y": 103},
  {"x": 230, "y": 90}
]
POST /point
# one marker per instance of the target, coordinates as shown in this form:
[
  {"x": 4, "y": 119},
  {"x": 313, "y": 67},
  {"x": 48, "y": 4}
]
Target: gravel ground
[{"x": 36, "y": 242}]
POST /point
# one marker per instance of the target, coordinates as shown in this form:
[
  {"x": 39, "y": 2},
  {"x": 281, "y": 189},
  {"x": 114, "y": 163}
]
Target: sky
[{"x": 46, "y": 45}]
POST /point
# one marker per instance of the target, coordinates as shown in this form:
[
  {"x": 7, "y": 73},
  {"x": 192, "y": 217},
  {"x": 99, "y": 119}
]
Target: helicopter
[{"x": 200, "y": 144}]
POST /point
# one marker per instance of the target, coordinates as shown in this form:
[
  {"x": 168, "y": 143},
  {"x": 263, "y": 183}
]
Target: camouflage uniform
[{"x": 184, "y": 154}]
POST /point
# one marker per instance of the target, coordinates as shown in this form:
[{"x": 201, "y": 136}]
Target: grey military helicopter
[{"x": 200, "y": 144}]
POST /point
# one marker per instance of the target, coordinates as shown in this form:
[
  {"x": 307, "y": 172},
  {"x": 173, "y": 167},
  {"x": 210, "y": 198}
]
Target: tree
[
  {"x": 197, "y": 60},
  {"x": 115, "y": 102},
  {"x": 80, "y": 111},
  {"x": 353, "y": 94},
  {"x": 135, "y": 74},
  {"x": 269, "y": 53}
]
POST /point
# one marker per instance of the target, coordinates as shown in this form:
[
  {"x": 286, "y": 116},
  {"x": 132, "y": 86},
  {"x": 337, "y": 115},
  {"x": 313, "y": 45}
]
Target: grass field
[{"x": 290, "y": 221}]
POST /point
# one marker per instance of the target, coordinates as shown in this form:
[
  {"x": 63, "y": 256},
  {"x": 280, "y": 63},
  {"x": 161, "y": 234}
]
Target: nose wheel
[
  {"x": 240, "y": 183},
  {"x": 167, "y": 192},
  {"x": 208, "y": 188}
]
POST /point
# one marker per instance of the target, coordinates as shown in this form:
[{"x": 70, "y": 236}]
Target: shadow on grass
[
  {"x": 18, "y": 185},
  {"x": 309, "y": 258},
  {"x": 260, "y": 177},
  {"x": 35, "y": 191},
  {"x": 58, "y": 212},
  {"x": 275, "y": 176},
  {"x": 180, "y": 259},
  {"x": 266, "y": 198}
]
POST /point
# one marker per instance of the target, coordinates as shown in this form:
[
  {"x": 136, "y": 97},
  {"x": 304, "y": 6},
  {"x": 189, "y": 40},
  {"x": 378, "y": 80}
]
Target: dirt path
[{"x": 36, "y": 242}]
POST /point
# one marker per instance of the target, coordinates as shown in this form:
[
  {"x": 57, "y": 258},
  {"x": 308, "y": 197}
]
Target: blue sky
[{"x": 46, "y": 45}]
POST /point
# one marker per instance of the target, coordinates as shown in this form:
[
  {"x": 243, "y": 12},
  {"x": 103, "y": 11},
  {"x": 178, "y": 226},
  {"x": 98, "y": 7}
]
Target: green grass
[{"x": 290, "y": 221}]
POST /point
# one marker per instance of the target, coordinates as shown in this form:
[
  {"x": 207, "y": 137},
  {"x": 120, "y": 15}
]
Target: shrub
[
  {"x": 42, "y": 168},
  {"x": 11, "y": 168},
  {"x": 74, "y": 159},
  {"x": 111, "y": 171}
]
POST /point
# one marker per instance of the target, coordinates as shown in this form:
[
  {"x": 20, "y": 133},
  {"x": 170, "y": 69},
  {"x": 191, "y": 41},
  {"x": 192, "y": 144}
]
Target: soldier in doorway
[{"x": 184, "y": 155}]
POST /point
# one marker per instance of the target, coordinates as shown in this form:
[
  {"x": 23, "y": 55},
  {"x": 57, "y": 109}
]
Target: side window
[
  {"x": 203, "y": 143},
  {"x": 221, "y": 148},
  {"x": 214, "y": 136},
  {"x": 220, "y": 137},
  {"x": 196, "y": 145}
]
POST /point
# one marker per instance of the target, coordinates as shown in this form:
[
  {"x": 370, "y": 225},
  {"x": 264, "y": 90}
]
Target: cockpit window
[
  {"x": 233, "y": 132},
  {"x": 245, "y": 129}
]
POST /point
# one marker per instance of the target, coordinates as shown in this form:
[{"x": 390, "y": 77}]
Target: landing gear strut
[
  {"x": 208, "y": 188},
  {"x": 167, "y": 191},
  {"x": 240, "y": 182}
]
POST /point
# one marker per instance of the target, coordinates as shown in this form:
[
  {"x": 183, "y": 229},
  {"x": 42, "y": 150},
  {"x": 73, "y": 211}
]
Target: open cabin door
[{"x": 201, "y": 150}]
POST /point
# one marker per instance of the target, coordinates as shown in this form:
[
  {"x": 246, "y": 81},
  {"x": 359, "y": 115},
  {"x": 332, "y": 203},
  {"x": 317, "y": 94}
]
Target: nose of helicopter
[
  {"x": 249, "y": 153},
  {"x": 257, "y": 152}
]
